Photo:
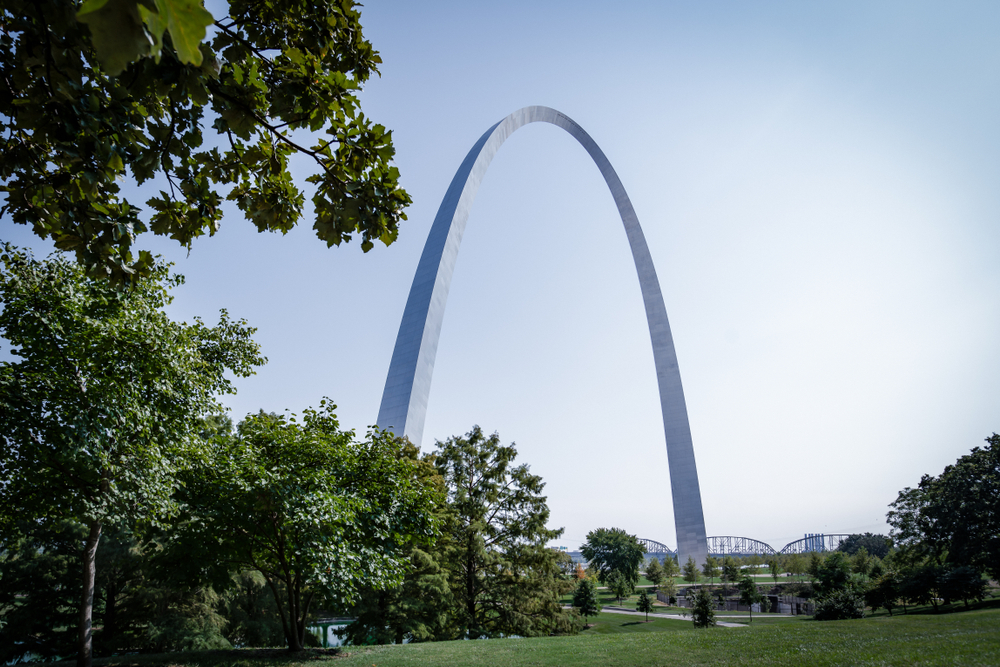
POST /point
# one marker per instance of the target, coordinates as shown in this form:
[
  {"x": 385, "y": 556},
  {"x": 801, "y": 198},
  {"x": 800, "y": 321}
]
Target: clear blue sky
[{"x": 818, "y": 183}]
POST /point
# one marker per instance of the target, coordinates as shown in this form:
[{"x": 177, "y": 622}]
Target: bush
[
  {"x": 703, "y": 612},
  {"x": 840, "y": 605}
]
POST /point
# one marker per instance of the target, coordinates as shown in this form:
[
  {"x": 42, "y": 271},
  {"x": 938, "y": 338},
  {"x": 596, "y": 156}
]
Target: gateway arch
[{"x": 404, "y": 400}]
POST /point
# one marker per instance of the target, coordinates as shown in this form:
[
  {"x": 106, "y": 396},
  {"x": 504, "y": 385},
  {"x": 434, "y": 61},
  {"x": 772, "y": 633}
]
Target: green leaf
[
  {"x": 156, "y": 23},
  {"x": 186, "y": 20},
  {"x": 117, "y": 32},
  {"x": 115, "y": 163}
]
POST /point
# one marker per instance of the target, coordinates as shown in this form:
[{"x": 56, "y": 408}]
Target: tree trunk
[
  {"x": 85, "y": 641},
  {"x": 303, "y": 613},
  {"x": 295, "y": 637},
  {"x": 285, "y": 623},
  {"x": 470, "y": 588}
]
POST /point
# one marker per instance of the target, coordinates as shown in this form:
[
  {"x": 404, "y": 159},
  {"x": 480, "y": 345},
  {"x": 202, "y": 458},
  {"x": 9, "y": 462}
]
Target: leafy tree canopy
[
  {"x": 963, "y": 583},
  {"x": 103, "y": 408},
  {"x": 711, "y": 568},
  {"x": 654, "y": 571},
  {"x": 884, "y": 592},
  {"x": 419, "y": 609},
  {"x": 690, "y": 570},
  {"x": 619, "y": 585},
  {"x": 275, "y": 80},
  {"x": 670, "y": 567},
  {"x": 954, "y": 517},
  {"x": 613, "y": 550},
  {"x": 876, "y": 545},
  {"x": 504, "y": 578},
  {"x": 749, "y": 594},
  {"x": 319, "y": 514},
  {"x": 833, "y": 573},
  {"x": 730, "y": 569}
]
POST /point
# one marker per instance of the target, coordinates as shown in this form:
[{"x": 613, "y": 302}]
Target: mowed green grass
[
  {"x": 967, "y": 638},
  {"x": 610, "y": 624}
]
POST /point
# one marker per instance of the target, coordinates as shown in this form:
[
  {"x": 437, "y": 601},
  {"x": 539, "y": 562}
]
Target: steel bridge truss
[
  {"x": 814, "y": 542},
  {"x": 658, "y": 549},
  {"x": 728, "y": 545}
]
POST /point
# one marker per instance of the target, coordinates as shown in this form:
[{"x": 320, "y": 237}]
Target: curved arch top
[{"x": 407, "y": 387}]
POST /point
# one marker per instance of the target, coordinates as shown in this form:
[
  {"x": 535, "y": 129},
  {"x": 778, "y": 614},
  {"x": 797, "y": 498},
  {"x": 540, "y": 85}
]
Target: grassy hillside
[{"x": 970, "y": 638}]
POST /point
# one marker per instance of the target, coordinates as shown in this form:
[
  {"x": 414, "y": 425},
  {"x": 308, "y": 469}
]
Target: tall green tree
[
  {"x": 796, "y": 564},
  {"x": 420, "y": 608},
  {"x": 670, "y": 567},
  {"x": 749, "y": 595},
  {"x": 884, "y": 592},
  {"x": 504, "y": 578},
  {"x": 103, "y": 406},
  {"x": 276, "y": 81},
  {"x": 613, "y": 550},
  {"x": 954, "y": 518},
  {"x": 774, "y": 565},
  {"x": 703, "y": 609},
  {"x": 654, "y": 572},
  {"x": 730, "y": 570},
  {"x": 921, "y": 584},
  {"x": 669, "y": 589},
  {"x": 320, "y": 514},
  {"x": 619, "y": 585},
  {"x": 861, "y": 561},
  {"x": 585, "y": 598},
  {"x": 711, "y": 568},
  {"x": 644, "y": 604},
  {"x": 815, "y": 561},
  {"x": 963, "y": 583},
  {"x": 690, "y": 571}
]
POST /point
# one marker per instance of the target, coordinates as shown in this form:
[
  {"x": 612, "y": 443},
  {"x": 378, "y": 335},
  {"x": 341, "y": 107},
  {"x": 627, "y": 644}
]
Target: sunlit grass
[{"x": 964, "y": 638}]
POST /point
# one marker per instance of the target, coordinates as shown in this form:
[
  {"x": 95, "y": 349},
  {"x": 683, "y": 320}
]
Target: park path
[{"x": 676, "y": 617}]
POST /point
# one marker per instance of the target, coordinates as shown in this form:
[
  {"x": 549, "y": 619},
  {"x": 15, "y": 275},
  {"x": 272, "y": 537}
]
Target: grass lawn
[
  {"x": 965, "y": 638},
  {"x": 611, "y": 624}
]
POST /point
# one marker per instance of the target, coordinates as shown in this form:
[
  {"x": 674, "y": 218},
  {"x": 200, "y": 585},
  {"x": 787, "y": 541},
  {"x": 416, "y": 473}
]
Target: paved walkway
[{"x": 676, "y": 617}]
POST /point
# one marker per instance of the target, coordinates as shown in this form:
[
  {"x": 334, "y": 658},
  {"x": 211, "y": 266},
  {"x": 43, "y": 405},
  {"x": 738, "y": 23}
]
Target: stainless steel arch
[{"x": 407, "y": 387}]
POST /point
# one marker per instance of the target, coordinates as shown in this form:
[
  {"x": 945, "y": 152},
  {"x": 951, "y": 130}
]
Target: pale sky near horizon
[{"x": 818, "y": 185}]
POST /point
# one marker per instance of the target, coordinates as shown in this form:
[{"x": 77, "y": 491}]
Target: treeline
[
  {"x": 207, "y": 580},
  {"x": 131, "y": 519},
  {"x": 490, "y": 573},
  {"x": 943, "y": 548},
  {"x": 945, "y": 542}
]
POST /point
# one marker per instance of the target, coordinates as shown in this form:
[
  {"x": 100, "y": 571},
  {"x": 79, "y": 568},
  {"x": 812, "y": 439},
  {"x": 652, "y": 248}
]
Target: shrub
[{"x": 840, "y": 605}]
